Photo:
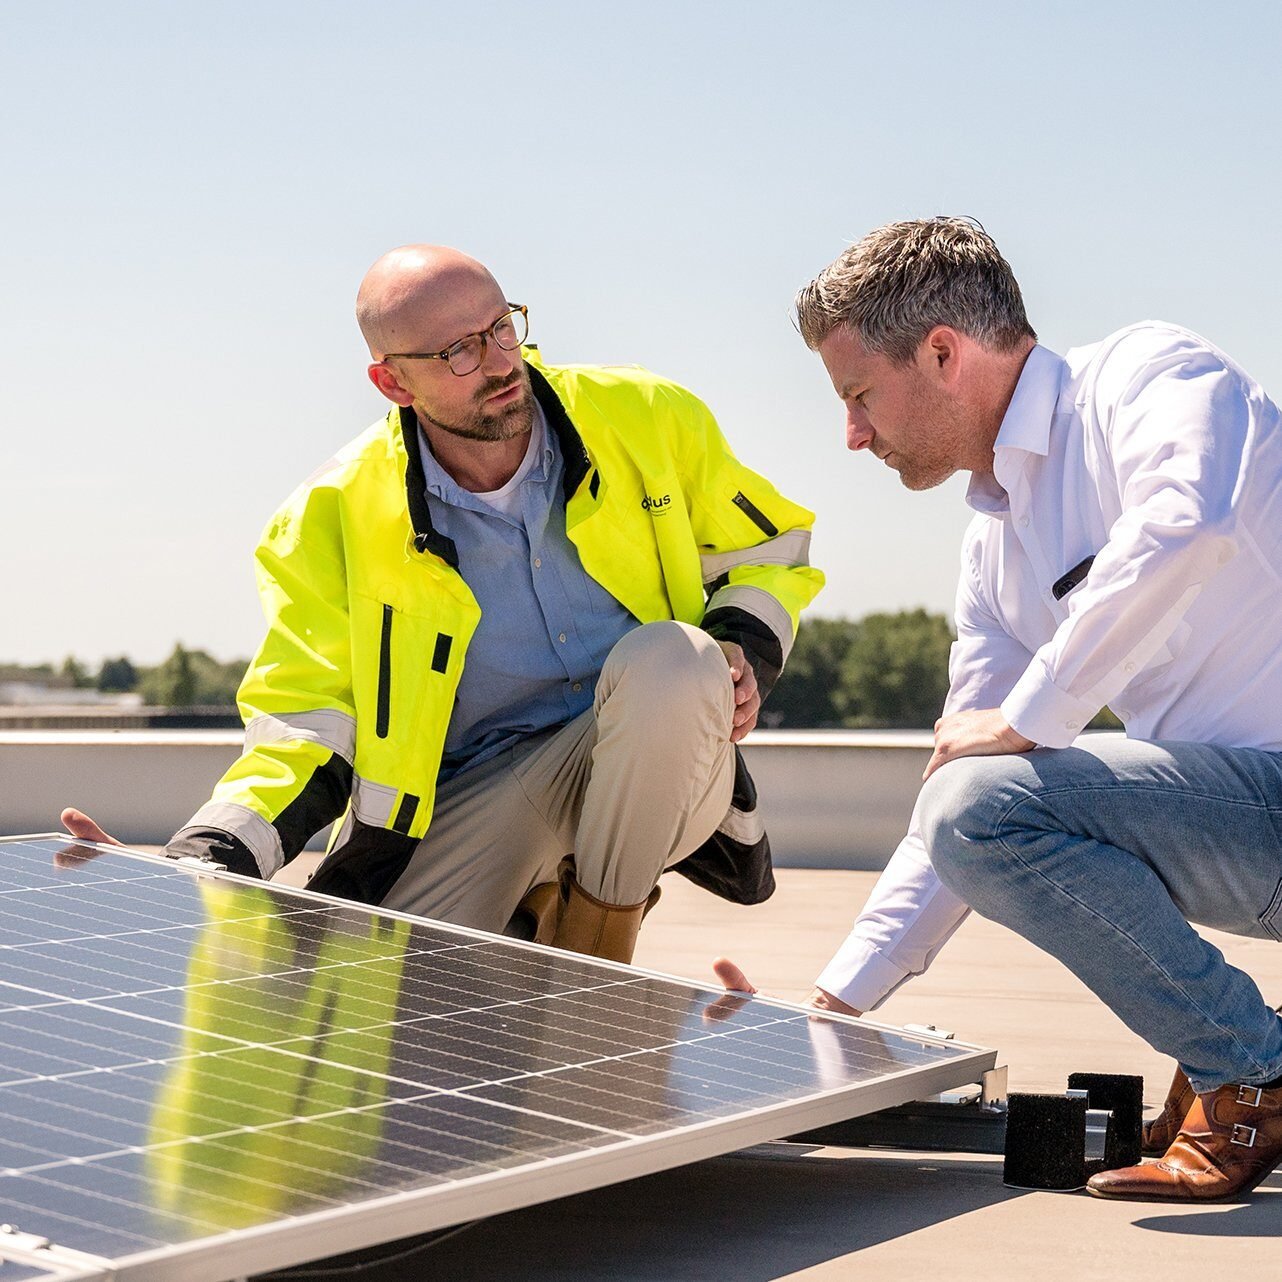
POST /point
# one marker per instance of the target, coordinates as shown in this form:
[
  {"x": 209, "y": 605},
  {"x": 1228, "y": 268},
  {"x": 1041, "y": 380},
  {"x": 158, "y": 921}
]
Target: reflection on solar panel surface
[{"x": 202, "y": 1076}]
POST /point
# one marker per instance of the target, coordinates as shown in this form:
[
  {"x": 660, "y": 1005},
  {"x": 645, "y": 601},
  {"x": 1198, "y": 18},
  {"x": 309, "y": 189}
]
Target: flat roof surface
[{"x": 784, "y": 1211}]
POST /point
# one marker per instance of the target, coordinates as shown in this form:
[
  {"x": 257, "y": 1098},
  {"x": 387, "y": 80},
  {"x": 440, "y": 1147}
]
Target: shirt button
[
  {"x": 1128, "y": 667},
  {"x": 1023, "y": 520},
  {"x": 1072, "y": 725},
  {"x": 561, "y": 638},
  {"x": 577, "y": 686},
  {"x": 538, "y": 562}
]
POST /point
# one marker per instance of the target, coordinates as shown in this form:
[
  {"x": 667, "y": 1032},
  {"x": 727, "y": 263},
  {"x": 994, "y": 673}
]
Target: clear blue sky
[{"x": 192, "y": 193}]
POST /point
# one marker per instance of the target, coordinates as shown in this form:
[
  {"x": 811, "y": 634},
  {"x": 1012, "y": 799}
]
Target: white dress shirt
[{"x": 1158, "y": 456}]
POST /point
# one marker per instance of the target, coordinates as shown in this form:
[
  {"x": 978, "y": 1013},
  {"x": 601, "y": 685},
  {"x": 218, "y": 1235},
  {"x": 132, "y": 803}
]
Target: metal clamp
[
  {"x": 930, "y": 1031},
  {"x": 202, "y": 862},
  {"x": 994, "y": 1088},
  {"x": 31, "y": 1248},
  {"x": 13, "y": 1238}
]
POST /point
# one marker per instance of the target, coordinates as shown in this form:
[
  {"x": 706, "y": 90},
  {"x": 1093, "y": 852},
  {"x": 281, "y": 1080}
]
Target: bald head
[{"x": 424, "y": 297}]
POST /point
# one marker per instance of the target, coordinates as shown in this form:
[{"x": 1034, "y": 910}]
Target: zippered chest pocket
[
  {"x": 397, "y": 657},
  {"x": 383, "y": 715}
]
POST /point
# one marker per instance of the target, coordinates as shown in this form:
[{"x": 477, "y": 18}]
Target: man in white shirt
[{"x": 1126, "y": 551}]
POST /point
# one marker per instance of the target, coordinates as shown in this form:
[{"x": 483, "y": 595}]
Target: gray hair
[{"x": 896, "y": 284}]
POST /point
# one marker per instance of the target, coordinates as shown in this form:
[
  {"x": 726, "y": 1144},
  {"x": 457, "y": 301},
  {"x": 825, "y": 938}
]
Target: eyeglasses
[{"x": 465, "y": 356}]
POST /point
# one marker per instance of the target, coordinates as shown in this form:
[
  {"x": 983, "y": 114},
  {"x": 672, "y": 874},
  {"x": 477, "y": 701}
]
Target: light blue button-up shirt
[{"x": 546, "y": 626}]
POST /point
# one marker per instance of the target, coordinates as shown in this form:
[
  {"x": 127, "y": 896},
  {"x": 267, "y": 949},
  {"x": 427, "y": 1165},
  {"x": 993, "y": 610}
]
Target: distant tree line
[
  {"x": 881, "y": 672},
  {"x": 884, "y": 671},
  {"x": 186, "y": 679}
]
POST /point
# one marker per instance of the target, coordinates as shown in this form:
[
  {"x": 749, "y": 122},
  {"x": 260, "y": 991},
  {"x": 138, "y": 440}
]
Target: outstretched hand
[
  {"x": 79, "y": 825},
  {"x": 738, "y": 992},
  {"x": 739, "y": 986},
  {"x": 732, "y": 979}
]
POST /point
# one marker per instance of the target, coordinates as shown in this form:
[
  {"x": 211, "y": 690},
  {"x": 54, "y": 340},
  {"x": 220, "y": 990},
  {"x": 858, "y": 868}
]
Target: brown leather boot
[
  {"x": 1230, "y": 1140},
  {"x": 536, "y": 914},
  {"x": 588, "y": 925},
  {"x": 1159, "y": 1134}
]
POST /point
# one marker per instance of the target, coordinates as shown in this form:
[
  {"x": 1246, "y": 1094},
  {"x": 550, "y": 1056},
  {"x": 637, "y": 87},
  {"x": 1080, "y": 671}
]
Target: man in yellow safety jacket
[{"x": 515, "y": 631}]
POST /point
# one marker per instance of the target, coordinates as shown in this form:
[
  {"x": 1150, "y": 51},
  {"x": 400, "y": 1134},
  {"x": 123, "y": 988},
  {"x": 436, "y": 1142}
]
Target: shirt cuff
[
  {"x": 1039, "y": 710},
  {"x": 860, "y": 976}
]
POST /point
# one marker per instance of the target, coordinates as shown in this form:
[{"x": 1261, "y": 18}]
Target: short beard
[{"x": 502, "y": 424}]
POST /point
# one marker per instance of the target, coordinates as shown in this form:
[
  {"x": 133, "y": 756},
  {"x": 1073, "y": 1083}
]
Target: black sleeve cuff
[
  {"x": 221, "y": 847},
  {"x": 759, "y": 644}
]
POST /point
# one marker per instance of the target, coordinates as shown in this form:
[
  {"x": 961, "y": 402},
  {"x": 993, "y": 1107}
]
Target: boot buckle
[
  {"x": 1243, "y": 1136},
  {"x": 1250, "y": 1096}
]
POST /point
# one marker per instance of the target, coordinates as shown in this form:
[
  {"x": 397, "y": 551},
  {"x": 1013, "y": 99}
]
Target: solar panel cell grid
[{"x": 189, "y": 1057}]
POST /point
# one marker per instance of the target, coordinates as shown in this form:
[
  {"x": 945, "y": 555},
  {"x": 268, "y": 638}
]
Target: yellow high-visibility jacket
[{"x": 369, "y": 615}]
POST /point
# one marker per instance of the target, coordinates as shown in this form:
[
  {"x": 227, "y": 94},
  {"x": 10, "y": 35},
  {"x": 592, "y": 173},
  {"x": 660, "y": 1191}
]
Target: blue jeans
[{"x": 1102, "y": 854}]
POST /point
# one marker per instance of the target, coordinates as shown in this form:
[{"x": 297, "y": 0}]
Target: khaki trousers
[{"x": 630, "y": 787}]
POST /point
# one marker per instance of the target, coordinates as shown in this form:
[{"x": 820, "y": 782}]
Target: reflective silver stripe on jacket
[
  {"x": 326, "y": 726},
  {"x": 242, "y": 823},
  {"x": 761, "y": 605},
  {"x": 790, "y": 548},
  {"x": 372, "y": 802},
  {"x": 744, "y": 826}
]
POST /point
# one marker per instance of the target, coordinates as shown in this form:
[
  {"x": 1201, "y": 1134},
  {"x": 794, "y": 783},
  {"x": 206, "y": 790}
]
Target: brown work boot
[
  {"x": 588, "y": 925},
  {"x": 536, "y": 914},
  {"x": 1159, "y": 1134},
  {"x": 1230, "y": 1140}
]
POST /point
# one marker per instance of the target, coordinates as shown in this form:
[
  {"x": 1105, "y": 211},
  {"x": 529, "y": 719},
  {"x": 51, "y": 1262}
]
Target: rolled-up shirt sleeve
[
  {"x": 910, "y": 915},
  {"x": 1176, "y": 439}
]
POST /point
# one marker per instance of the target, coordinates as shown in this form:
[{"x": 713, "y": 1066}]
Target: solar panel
[
  {"x": 206, "y": 1076},
  {"x": 11, "y": 1271}
]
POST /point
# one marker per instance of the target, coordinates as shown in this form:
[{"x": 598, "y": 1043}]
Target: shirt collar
[{"x": 1026, "y": 427}]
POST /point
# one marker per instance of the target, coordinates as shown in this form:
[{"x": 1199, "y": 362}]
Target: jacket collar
[
  {"x": 573, "y": 453},
  {"x": 426, "y": 537}
]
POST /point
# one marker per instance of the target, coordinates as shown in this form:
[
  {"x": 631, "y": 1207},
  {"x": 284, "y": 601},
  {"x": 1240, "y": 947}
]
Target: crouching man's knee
[
  {"x": 960, "y": 811},
  {"x": 672, "y": 667}
]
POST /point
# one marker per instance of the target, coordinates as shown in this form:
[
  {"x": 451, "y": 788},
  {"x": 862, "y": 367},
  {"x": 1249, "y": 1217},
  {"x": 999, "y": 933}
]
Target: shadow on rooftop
[
  {"x": 750, "y": 1216},
  {"x": 1256, "y": 1218}
]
